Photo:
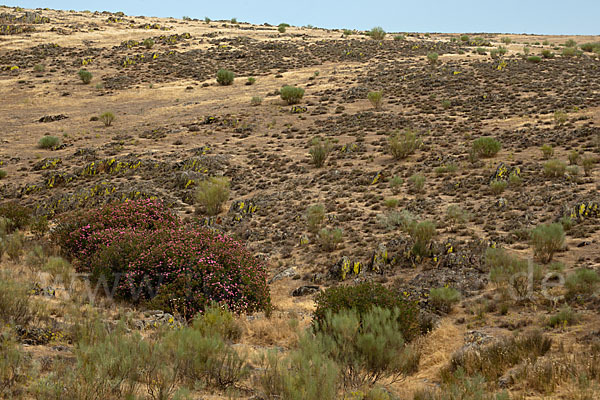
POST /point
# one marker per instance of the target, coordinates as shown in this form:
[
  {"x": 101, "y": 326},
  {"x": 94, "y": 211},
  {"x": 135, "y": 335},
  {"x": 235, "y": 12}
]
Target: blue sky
[{"x": 503, "y": 16}]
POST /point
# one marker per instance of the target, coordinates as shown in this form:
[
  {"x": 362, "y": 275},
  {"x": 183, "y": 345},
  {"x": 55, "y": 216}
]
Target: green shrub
[
  {"x": 547, "y": 53},
  {"x": 251, "y": 81},
  {"x": 566, "y": 316},
  {"x": 376, "y": 99},
  {"x": 39, "y": 68},
  {"x": 148, "y": 43},
  {"x": 212, "y": 194},
  {"x": 582, "y": 282},
  {"x": 498, "y": 186},
  {"x": 15, "y": 303},
  {"x": 218, "y": 321},
  {"x": 590, "y": 47},
  {"x": 291, "y": 94},
  {"x": 418, "y": 182},
  {"x": 570, "y": 43},
  {"x": 515, "y": 180},
  {"x": 330, "y": 238},
  {"x": 39, "y": 226},
  {"x": 588, "y": 164},
  {"x": 319, "y": 151},
  {"x": 85, "y": 76},
  {"x": 305, "y": 374},
  {"x": 2, "y": 174},
  {"x": 432, "y": 58},
  {"x": 16, "y": 216},
  {"x": 58, "y": 267},
  {"x": 422, "y": 233},
  {"x": 362, "y": 298},
  {"x": 36, "y": 258},
  {"x": 506, "y": 40},
  {"x": 569, "y": 52},
  {"x": 444, "y": 298},
  {"x": 377, "y": 33},
  {"x": 534, "y": 59},
  {"x": 554, "y": 168},
  {"x": 547, "y": 151},
  {"x": 107, "y": 118},
  {"x": 574, "y": 157},
  {"x": 493, "y": 360},
  {"x": 13, "y": 245},
  {"x": 457, "y": 215},
  {"x": 509, "y": 272},
  {"x": 403, "y": 144},
  {"x": 315, "y": 215},
  {"x": 366, "y": 346},
  {"x": 225, "y": 77},
  {"x": 48, "y": 142},
  {"x": 281, "y": 29},
  {"x": 15, "y": 367},
  {"x": 560, "y": 117},
  {"x": 390, "y": 203},
  {"x": 547, "y": 239},
  {"x": 486, "y": 146},
  {"x": 399, "y": 37},
  {"x": 256, "y": 100},
  {"x": 395, "y": 183},
  {"x": 464, "y": 38}
]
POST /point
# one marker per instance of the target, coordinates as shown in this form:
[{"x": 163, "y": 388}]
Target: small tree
[
  {"x": 546, "y": 240},
  {"x": 212, "y": 193}
]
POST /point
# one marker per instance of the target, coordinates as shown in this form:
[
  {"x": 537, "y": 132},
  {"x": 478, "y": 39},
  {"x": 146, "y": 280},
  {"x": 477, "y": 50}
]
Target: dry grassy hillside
[{"x": 452, "y": 161}]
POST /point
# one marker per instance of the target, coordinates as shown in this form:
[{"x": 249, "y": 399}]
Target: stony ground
[{"x": 175, "y": 126}]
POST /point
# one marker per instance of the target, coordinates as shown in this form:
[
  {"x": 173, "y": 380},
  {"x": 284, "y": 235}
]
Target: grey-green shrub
[
  {"x": 432, "y": 58},
  {"x": 403, "y": 144},
  {"x": 225, "y": 77},
  {"x": 582, "y": 282},
  {"x": 15, "y": 367},
  {"x": 376, "y": 99},
  {"x": 212, "y": 194},
  {"x": 422, "y": 234},
  {"x": 256, "y": 100},
  {"x": 418, "y": 182},
  {"x": 85, "y": 76},
  {"x": 315, "y": 215},
  {"x": 444, "y": 298},
  {"x": 547, "y": 151},
  {"x": 319, "y": 151},
  {"x": 498, "y": 186},
  {"x": 554, "y": 168},
  {"x": 330, "y": 238},
  {"x": 547, "y": 239},
  {"x": 291, "y": 94},
  {"x": 48, "y": 142},
  {"x": 15, "y": 304},
  {"x": 3, "y": 174},
  {"x": 377, "y": 33},
  {"x": 148, "y": 43},
  {"x": 566, "y": 316},
  {"x": 107, "y": 118},
  {"x": 486, "y": 146}
]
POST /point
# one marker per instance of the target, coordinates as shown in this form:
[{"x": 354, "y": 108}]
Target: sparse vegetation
[
  {"x": 377, "y": 33},
  {"x": 225, "y": 77},
  {"x": 376, "y": 99},
  {"x": 319, "y": 150},
  {"x": 444, "y": 298},
  {"x": 48, "y": 142},
  {"x": 486, "y": 146},
  {"x": 403, "y": 144},
  {"x": 85, "y": 76},
  {"x": 315, "y": 215},
  {"x": 546, "y": 240},
  {"x": 554, "y": 168},
  {"x": 212, "y": 194},
  {"x": 107, "y": 118}
]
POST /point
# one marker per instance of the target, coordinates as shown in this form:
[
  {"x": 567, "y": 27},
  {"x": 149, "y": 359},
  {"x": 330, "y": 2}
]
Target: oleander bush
[
  {"x": 291, "y": 94},
  {"x": 486, "y": 146},
  {"x": 225, "y": 77},
  {"x": 151, "y": 257}
]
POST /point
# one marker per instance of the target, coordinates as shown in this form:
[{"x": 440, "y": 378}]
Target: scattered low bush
[
  {"x": 330, "y": 238},
  {"x": 547, "y": 239},
  {"x": 225, "y": 77},
  {"x": 418, "y": 182},
  {"x": 588, "y": 164},
  {"x": 547, "y": 53},
  {"x": 291, "y": 94},
  {"x": 148, "y": 43},
  {"x": 547, "y": 151},
  {"x": 251, "y": 81},
  {"x": 16, "y": 216},
  {"x": 15, "y": 303},
  {"x": 15, "y": 367},
  {"x": 403, "y": 144},
  {"x": 48, "y": 142},
  {"x": 212, "y": 193},
  {"x": 444, "y": 298},
  {"x": 432, "y": 58},
  {"x": 498, "y": 186},
  {"x": 486, "y": 146},
  {"x": 377, "y": 33},
  {"x": 362, "y": 298},
  {"x": 85, "y": 76},
  {"x": 256, "y": 100},
  {"x": 319, "y": 151},
  {"x": 107, "y": 118},
  {"x": 534, "y": 59},
  {"x": 582, "y": 282},
  {"x": 560, "y": 117},
  {"x": 566, "y": 316},
  {"x": 39, "y": 68},
  {"x": 574, "y": 157},
  {"x": 554, "y": 168},
  {"x": 3, "y": 174},
  {"x": 376, "y": 99},
  {"x": 315, "y": 215}
]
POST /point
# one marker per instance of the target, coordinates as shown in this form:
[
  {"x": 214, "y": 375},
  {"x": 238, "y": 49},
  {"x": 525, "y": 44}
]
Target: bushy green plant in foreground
[{"x": 291, "y": 94}]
